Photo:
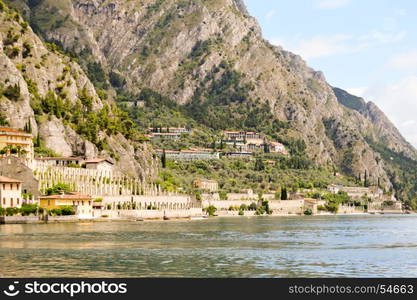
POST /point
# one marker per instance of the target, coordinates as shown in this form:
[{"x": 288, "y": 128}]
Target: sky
[{"x": 367, "y": 47}]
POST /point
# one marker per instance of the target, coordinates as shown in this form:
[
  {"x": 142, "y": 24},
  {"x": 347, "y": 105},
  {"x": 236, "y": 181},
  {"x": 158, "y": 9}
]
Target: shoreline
[{"x": 31, "y": 220}]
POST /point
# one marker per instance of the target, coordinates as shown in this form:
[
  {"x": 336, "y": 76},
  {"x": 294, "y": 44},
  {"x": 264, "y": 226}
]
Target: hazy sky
[{"x": 367, "y": 47}]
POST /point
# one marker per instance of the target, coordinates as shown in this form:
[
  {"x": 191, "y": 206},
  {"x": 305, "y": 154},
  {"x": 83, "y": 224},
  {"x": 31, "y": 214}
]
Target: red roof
[
  {"x": 11, "y": 130},
  {"x": 9, "y": 180}
]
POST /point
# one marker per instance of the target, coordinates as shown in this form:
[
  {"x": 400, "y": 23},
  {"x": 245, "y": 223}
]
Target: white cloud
[
  {"x": 320, "y": 45},
  {"x": 270, "y": 14},
  {"x": 357, "y": 91},
  {"x": 406, "y": 61},
  {"x": 331, "y": 4},
  {"x": 384, "y": 37},
  {"x": 399, "y": 102},
  {"x": 337, "y": 44}
]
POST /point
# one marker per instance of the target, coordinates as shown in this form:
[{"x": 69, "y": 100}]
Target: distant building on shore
[
  {"x": 10, "y": 192},
  {"x": 356, "y": 193},
  {"x": 82, "y": 204}
]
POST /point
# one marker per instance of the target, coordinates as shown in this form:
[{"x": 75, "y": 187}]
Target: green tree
[
  {"x": 164, "y": 159},
  {"x": 58, "y": 189},
  {"x": 259, "y": 164},
  {"x": 284, "y": 195}
]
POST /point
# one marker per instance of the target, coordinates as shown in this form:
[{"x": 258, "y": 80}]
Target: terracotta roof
[
  {"x": 11, "y": 130},
  {"x": 98, "y": 160},
  {"x": 7, "y": 129},
  {"x": 9, "y": 180},
  {"x": 68, "y": 196}
]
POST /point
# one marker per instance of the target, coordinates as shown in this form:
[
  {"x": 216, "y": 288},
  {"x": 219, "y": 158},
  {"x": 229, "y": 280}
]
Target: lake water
[{"x": 330, "y": 246}]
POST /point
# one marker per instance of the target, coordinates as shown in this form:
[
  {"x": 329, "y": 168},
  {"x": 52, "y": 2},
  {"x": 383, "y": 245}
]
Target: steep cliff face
[
  {"x": 379, "y": 128},
  {"x": 40, "y": 86},
  {"x": 210, "y": 57}
]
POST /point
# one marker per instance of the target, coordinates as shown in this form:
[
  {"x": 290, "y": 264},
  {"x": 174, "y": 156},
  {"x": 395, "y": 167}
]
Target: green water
[{"x": 331, "y": 246}]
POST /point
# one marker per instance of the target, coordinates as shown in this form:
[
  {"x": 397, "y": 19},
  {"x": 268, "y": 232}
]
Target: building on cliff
[
  {"x": 102, "y": 164},
  {"x": 252, "y": 142},
  {"x": 16, "y": 143}
]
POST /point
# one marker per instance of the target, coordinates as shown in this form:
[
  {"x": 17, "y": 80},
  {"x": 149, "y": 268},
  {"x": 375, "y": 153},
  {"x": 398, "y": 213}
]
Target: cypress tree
[
  {"x": 284, "y": 195},
  {"x": 366, "y": 179},
  {"x": 38, "y": 141},
  {"x": 164, "y": 159}
]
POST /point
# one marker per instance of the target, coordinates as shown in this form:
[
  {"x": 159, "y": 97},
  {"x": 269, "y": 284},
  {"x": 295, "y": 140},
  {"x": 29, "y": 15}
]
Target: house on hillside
[{"x": 102, "y": 164}]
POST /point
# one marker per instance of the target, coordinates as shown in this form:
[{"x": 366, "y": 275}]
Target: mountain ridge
[{"x": 210, "y": 57}]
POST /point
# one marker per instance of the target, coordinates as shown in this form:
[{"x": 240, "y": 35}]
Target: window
[
  {"x": 17, "y": 201},
  {"x": 4, "y": 201},
  {"x": 4, "y": 187},
  {"x": 11, "y": 202}
]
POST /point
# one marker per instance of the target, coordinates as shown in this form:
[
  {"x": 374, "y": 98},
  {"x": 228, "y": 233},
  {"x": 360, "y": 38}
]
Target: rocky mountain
[
  {"x": 209, "y": 57},
  {"x": 381, "y": 128},
  {"x": 44, "y": 88}
]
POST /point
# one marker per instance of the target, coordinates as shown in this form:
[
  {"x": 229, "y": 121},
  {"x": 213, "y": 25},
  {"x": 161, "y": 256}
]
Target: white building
[
  {"x": 10, "y": 192},
  {"x": 60, "y": 161}
]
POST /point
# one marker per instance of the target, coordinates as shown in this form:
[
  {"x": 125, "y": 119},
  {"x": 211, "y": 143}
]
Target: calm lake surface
[{"x": 330, "y": 246}]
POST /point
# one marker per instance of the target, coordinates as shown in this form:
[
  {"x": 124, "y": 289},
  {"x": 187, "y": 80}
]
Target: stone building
[
  {"x": 102, "y": 164},
  {"x": 10, "y": 192},
  {"x": 206, "y": 185},
  {"x": 15, "y": 167}
]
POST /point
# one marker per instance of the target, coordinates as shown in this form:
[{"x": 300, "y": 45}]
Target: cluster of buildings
[
  {"x": 250, "y": 142},
  {"x": 374, "y": 196},
  {"x": 11, "y": 195},
  {"x": 17, "y": 158},
  {"x": 239, "y": 144},
  {"x": 103, "y": 164}
]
